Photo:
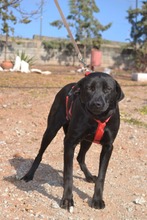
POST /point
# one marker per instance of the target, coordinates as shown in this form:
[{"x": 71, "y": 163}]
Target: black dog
[{"x": 88, "y": 112}]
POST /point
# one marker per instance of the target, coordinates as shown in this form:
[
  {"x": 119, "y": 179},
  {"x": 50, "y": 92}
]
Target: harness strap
[
  {"x": 100, "y": 130},
  {"x": 68, "y": 108}
]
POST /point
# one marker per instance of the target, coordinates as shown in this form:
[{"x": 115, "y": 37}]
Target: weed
[
  {"x": 135, "y": 122},
  {"x": 26, "y": 58},
  {"x": 143, "y": 110}
]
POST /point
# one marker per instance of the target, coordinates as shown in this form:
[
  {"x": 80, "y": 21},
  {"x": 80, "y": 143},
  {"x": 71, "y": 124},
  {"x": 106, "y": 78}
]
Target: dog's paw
[
  {"x": 98, "y": 204},
  {"x": 27, "y": 178},
  {"x": 91, "y": 179},
  {"x": 67, "y": 204}
]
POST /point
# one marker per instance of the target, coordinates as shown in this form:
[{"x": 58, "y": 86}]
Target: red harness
[
  {"x": 100, "y": 130},
  {"x": 68, "y": 108},
  {"x": 100, "y": 127}
]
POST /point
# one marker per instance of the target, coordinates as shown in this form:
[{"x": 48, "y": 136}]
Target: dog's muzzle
[{"x": 98, "y": 106}]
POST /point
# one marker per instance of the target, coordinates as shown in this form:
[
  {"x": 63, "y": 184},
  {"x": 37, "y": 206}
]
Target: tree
[
  {"x": 138, "y": 20},
  {"x": 8, "y": 17},
  {"x": 81, "y": 19}
]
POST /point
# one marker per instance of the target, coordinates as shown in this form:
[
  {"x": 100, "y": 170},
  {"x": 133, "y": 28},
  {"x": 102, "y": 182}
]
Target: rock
[
  {"x": 40, "y": 71},
  {"x": 36, "y": 71},
  {"x": 24, "y": 67},
  {"x": 55, "y": 205},
  {"x": 1, "y": 69},
  {"x": 4, "y": 106},
  {"x": 20, "y": 65},
  {"x": 17, "y": 64},
  {"x": 46, "y": 72},
  {"x": 107, "y": 70},
  {"x": 142, "y": 77},
  {"x": 2, "y": 142},
  {"x": 139, "y": 201},
  {"x": 71, "y": 209}
]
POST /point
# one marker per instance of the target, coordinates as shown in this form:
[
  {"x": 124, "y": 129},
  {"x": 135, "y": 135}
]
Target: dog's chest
[{"x": 91, "y": 132}]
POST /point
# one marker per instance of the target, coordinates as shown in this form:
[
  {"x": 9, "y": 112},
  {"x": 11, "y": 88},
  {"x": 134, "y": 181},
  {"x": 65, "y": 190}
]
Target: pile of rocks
[{"x": 23, "y": 66}]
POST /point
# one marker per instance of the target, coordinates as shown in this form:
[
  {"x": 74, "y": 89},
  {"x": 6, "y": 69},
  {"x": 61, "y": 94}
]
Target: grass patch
[
  {"x": 135, "y": 122},
  {"x": 144, "y": 110},
  {"x": 32, "y": 80}
]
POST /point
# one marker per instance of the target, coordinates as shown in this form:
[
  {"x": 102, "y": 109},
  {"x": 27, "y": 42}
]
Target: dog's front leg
[
  {"x": 97, "y": 201},
  {"x": 67, "y": 199}
]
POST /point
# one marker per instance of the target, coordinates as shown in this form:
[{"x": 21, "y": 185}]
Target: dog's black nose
[{"x": 98, "y": 104}]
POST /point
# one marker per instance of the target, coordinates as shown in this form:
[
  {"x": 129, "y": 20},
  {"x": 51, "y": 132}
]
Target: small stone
[
  {"x": 4, "y": 106},
  {"x": 71, "y": 209},
  {"x": 139, "y": 201},
  {"x": 2, "y": 142},
  {"x": 85, "y": 200},
  {"x": 129, "y": 209},
  {"x": 55, "y": 205}
]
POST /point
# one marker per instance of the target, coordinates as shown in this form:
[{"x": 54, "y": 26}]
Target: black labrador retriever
[{"x": 88, "y": 112}]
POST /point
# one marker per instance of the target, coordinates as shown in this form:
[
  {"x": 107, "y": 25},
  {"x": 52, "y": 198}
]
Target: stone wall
[{"x": 111, "y": 53}]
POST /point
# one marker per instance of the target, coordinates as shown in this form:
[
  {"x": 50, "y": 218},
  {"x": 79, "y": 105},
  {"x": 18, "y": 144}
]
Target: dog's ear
[
  {"x": 76, "y": 88},
  {"x": 120, "y": 94}
]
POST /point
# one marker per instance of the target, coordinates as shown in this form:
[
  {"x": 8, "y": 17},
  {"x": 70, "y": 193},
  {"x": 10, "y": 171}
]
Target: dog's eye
[
  {"x": 107, "y": 89},
  {"x": 90, "y": 88}
]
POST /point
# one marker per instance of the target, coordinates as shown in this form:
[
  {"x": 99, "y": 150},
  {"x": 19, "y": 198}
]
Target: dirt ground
[{"x": 25, "y": 100}]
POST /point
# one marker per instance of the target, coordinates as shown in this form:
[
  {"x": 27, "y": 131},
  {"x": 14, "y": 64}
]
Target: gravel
[{"x": 23, "y": 114}]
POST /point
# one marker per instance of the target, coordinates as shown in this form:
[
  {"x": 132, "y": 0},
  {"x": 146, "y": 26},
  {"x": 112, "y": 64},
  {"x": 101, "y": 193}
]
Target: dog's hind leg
[
  {"x": 55, "y": 122},
  {"x": 85, "y": 145}
]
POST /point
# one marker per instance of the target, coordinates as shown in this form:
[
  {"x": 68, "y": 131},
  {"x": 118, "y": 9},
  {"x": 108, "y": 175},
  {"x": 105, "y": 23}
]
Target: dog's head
[{"x": 99, "y": 92}]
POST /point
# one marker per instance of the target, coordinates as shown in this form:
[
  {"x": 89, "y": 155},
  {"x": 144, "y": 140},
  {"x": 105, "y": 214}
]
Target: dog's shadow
[{"x": 45, "y": 174}]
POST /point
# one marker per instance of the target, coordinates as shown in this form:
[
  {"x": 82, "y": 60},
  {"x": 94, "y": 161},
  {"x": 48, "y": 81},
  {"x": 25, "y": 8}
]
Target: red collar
[
  {"x": 100, "y": 130},
  {"x": 101, "y": 125}
]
